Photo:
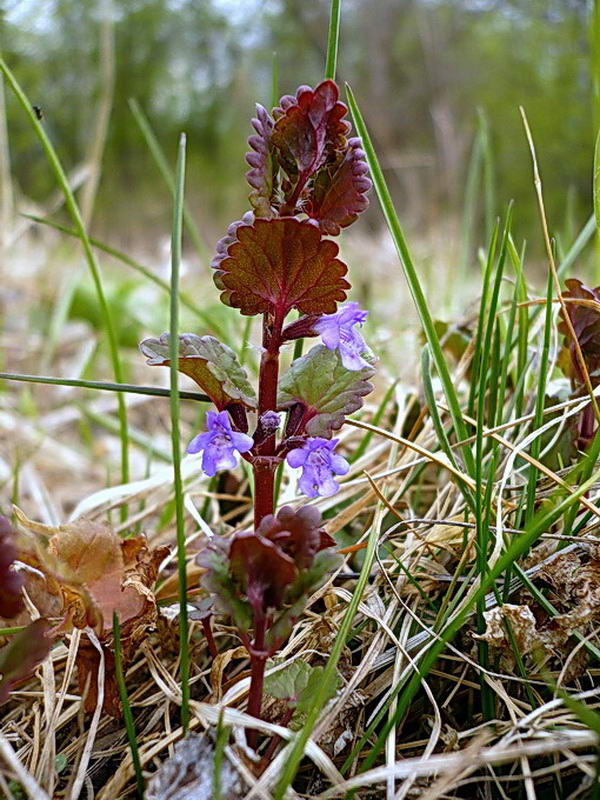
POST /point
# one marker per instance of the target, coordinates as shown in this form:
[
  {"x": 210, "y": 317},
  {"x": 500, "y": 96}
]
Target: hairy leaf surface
[
  {"x": 326, "y": 388},
  {"x": 339, "y": 191},
  {"x": 279, "y": 264},
  {"x": 209, "y": 362}
]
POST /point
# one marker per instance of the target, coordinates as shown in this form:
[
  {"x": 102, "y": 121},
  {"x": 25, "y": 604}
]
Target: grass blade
[
  {"x": 410, "y": 272},
  {"x": 320, "y": 697},
  {"x": 167, "y": 175},
  {"x": 119, "y": 255},
  {"x": 128, "y": 388},
  {"x": 333, "y": 39},
  {"x": 184, "y": 658},
  {"x": 127, "y": 715}
]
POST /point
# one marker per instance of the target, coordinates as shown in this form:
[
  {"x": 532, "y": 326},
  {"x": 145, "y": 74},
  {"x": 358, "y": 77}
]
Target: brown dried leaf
[
  {"x": 523, "y": 626},
  {"x": 93, "y": 573}
]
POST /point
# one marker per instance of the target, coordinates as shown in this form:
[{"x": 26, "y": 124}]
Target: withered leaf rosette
[
  {"x": 309, "y": 180},
  {"x": 77, "y": 575}
]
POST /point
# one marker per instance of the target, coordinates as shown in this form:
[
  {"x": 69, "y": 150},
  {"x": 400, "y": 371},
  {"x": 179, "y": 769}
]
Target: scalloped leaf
[
  {"x": 209, "y": 362},
  {"x": 339, "y": 192},
  {"x": 278, "y": 264},
  {"x": 11, "y": 582},
  {"x": 327, "y": 390},
  {"x": 261, "y": 176},
  {"x": 308, "y": 128}
]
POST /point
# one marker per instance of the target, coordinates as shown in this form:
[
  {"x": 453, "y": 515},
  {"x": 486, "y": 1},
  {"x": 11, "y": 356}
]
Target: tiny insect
[{"x": 38, "y": 112}]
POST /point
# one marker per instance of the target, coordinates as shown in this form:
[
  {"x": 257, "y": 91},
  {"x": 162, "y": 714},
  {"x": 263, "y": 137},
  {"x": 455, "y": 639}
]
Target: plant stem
[
  {"x": 264, "y": 469},
  {"x": 258, "y": 660}
]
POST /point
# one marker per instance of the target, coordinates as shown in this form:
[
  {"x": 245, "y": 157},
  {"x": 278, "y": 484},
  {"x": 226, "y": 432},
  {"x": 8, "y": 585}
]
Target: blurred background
[{"x": 436, "y": 79}]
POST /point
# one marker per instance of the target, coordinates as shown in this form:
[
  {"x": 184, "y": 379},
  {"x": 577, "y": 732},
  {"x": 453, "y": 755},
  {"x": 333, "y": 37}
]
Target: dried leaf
[
  {"x": 328, "y": 391},
  {"x": 275, "y": 265},
  {"x": 95, "y": 574},
  {"x": 339, "y": 192},
  {"x": 522, "y": 623},
  {"x": 188, "y": 773},
  {"x": 25, "y": 651},
  {"x": 11, "y": 582},
  {"x": 209, "y": 362}
]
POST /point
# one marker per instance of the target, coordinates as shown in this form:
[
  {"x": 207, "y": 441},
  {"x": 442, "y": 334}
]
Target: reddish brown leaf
[
  {"x": 297, "y": 533},
  {"x": 339, "y": 192},
  {"x": 25, "y": 651},
  {"x": 262, "y": 175},
  {"x": 262, "y": 569},
  {"x": 308, "y": 128},
  {"x": 11, "y": 582},
  {"x": 279, "y": 264},
  {"x": 95, "y": 573},
  {"x": 586, "y": 324}
]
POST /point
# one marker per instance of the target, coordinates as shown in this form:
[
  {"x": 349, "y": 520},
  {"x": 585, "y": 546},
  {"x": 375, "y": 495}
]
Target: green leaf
[
  {"x": 328, "y": 390},
  {"x": 209, "y": 362},
  {"x": 288, "y": 683}
]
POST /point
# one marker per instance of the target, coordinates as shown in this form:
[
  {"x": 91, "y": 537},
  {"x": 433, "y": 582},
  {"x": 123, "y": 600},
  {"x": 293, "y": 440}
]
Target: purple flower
[
  {"x": 319, "y": 465},
  {"x": 219, "y": 443},
  {"x": 337, "y": 332}
]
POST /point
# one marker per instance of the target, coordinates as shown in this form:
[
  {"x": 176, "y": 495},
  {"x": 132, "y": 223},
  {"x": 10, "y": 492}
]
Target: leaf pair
[{"x": 302, "y": 162}]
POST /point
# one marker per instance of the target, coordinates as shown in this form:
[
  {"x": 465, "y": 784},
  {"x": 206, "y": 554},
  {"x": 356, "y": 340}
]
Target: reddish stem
[
  {"x": 258, "y": 660},
  {"x": 264, "y": 471},
  {"x": 210, "y": 639},
  {"x": 270, "y": 751},
  {"x": 264, "y": 482}
]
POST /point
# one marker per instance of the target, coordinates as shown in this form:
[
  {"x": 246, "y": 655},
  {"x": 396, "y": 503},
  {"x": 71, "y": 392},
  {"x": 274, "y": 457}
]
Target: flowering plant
[{"x": 308, "y": 182}]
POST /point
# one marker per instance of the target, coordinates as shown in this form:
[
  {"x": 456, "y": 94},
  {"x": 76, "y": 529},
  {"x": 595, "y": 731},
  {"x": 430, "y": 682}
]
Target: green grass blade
[
  {"x": 540, "y": 523},
  {"x": 184, "y": 657},
  {"x": 162, "y": 164},
  {"x": 322, "y": 693},
  {"x": 127, "y": 715},
  {"x": 410, "y": 272},
  {"x": 365, "y": 441},
  {"x": 333, "y": 39},
  {"x": 128, "y": 388},
  {"x": 538, "y": 420},
  {"x": 578, "y": 246},
  {"x": 73, "y": 209}
]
